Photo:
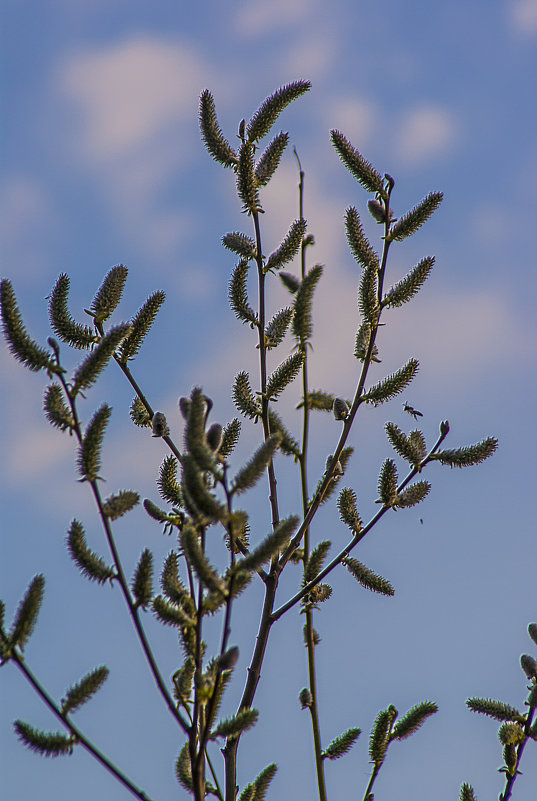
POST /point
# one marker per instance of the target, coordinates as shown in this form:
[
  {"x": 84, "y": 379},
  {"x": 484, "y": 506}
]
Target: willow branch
[
  {"x": 75, "y": 731},
  {"x": 295, "y": 542},
  {"x": 134, "y": 384},
  {"x": 303, "y": 462},
  {"x": 357, "y": 537},
  {"x": 510, "y": 780},
  {"x": 122, "y": 578}
]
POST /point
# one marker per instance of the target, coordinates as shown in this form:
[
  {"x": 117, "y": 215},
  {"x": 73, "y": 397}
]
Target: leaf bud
[
  {"x": 229, "y": 659},
  {"x": 338, "y": 469},
  {"x": 529, "y": 666},
  {"x": 159, "y": 425},
  {"x": 532, "y": 698},
  {"x": 305, "y": 698},
  {"x": 532, "y": 631},
  {"x": 184, "y": 407},
  {"x": 377, "y": 211},
  {"x": 444, "y": 428},
  {"x": 214, "y": 437},
  {"x": 390, "y": 181},
  {"x": 340, "y": 409}
]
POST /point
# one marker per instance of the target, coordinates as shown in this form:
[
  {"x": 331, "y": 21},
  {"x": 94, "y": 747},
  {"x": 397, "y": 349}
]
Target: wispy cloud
[
  {"x": 127, "y": 93},
  {"x": 25, "y": 215},
  {"x": 426, "y": 132},
  {"x": 310, "y": 58},
  {"x": 523, "y": 17},
  {"x": 259, "y": 17},
  {"x": 135, "y": 129},
  {"x": 356, "y": 117}
]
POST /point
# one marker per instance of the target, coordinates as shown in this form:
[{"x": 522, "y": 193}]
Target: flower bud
[
  {"x": 529, "y": 666},
  {"x": 184, "y": 407},
  {"x": 532, "y": 697},
  {"x": 340, "y": 409},
  {"x": 377, "y": 211},
  {"x": 159, "y": 425},
  {"x": 229, "y": 659},
  {"x": 305, "y": 698},
  {"x": 532, "y": 631},
  {"x": 214, "y": 437},
  {"x": 338, "y": 470}
]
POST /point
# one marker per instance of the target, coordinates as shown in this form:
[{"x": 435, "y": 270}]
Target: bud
[
  {"x": 390, "y": 181},
  {"x": 305, "y": 698},
  {"x": 242, "y": 128},
  {"x": 319, "y": 593},
  {"x": 214, "y": 437},
  {"x": 532, "y": 631},
  {"x": 338, "y": 470},
  {"x": 529, "y": 666},
  {"x": 340, "y": 409},
  {"x": 377, "y": 211},
  {"x": 159, "y": 425},
  {"x": 532, "y": 698},
  {"x": 314, "y": 635},
  {"x": 184, "y": 407},
  {"x": 510, "y": 758},
  {"x": 444, "y": 428},
  {"x": 229, "y": 659}
]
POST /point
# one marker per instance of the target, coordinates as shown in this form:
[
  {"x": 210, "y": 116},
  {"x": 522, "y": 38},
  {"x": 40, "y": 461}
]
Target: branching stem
[
  {"x": 134, "y": 384},
  {"x": 357, "y": 537},
  {"x": 133, "y": 609}
]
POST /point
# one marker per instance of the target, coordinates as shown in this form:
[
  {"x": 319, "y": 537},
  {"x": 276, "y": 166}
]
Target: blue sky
[{"x": 103, "y": 164}]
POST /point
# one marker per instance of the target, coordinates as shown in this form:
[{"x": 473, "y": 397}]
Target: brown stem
[{"x": 254, "y": 672}]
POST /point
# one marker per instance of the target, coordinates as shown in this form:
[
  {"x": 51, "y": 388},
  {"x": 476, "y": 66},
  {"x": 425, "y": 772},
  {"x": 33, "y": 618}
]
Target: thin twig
[
  {"x": 122, "y": 579},
  {"x": 303, "y": 464},
  {"x": 357, "y": 537},
  {"x": 75, "y": 731}
]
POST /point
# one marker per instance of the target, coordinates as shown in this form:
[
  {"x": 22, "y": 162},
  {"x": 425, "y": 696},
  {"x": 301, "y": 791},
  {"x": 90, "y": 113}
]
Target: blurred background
[{"x": 103, "y": 164}]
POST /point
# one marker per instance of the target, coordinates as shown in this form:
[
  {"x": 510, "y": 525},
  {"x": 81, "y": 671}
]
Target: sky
[{"x": 102, "y": 163}]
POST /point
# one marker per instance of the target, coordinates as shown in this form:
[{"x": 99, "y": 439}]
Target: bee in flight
[{"x": 410, "y": 409}]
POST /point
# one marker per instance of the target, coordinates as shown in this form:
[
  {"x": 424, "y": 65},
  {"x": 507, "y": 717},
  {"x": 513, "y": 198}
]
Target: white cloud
[
  {"x": 426, "y": 132},
  {"x": 127, "y": 93},
  {"x": 258, "y": 16},
  {"x": 134, "y": 127},
  {"x": 25, "y": 214},
  {"x": 492, "y": 225},
  {"x": 355, "y": 117},
  {"x": 30, "y": 445},
  {"x": 310, "y": 58},
  {"x": 523, "y": 15},
  {"x": 461, "y": 334}
]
